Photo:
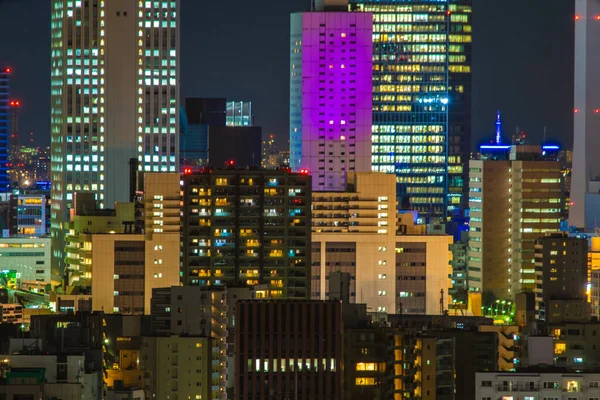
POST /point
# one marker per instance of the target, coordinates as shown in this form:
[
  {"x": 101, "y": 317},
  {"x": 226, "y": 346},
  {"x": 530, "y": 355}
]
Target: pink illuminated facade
[{"x": 331, "y": 95}]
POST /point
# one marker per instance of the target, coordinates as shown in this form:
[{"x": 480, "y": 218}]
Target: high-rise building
[
  {"x": 512, "y": 202},
  {"x": 245, "y": 228},
  {"x": 355, "y": 231},
  {"x": 5, "y": 127},
  {"x": 585, "y": 201},
  {"x": 114, "y": 96},
  {"x": 239, "y": 113},
  {"x": 422, "y": 100},
  {"x": 330, "y": 94}
]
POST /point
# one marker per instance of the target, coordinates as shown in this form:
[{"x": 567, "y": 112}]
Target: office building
[
  {"x": 207, "y": 137},
  {"x": 422, "y": 100},
  {"x": 195, "y": 119},
  {"x": 330, "y": 94},
  {"x": 28, "y": 257},
  {"x": 585, "y": 199},
  {"x": 245, "y": 228},
  {"x": 298, "y": 360},
  {"x": 562, "y": 265},
  {"x": 119, "y": 260},
  {"x": 114, "y": 96},
  {"x": 512, "y": 203},
  {"x": 30, "y": 214},
  {"x": 239, "y": 113},
  {"x": 180, "y": 367},
  {"x": 393, "y": 268}
]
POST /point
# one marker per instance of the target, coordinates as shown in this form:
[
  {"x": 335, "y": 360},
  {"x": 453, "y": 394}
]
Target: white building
[
  {"x": 537, "y": 386},
  {"x": 30, "y": 257},
  {"x": 114, "y": 97},
  {"x": 355, "y": 231},
  {"x": 331, "y": 102},
  {"x": 586, "y": 163}
]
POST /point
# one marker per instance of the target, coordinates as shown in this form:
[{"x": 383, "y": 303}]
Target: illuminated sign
[{"x": 33, "y": 201}]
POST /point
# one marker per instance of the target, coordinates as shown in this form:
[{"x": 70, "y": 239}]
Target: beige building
[
  {"x": 512, "y": 202},
  {"x": 355, "y": 231},
  {"x": 120, "y": 256},
  {"x": 180, "y": 367},
  {"x": 594, "y": 275}
]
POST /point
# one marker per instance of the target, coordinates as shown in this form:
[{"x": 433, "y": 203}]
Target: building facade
[
  {"x": 330, "y": 95},
  {"x": 512, "y": 203},
  {"x": 114, "y": 96},
  {"x": 119, "y": 256},
  {"x": 392, "y": 268},
  {"x": 30, "y": 215},
  {"x": 179, "y": 367},
  {"x": 298, "y": 360},
  {"x": 239, "y": 113},
  {"x": 563, "y": 263},
  {"x": 29, "y": 257},
  {"x": 422, "y": 100},
  {"x": 5, "y": 127},
  {"x": 584, "y": 208},
  {"x": 196, "y": 311},
  {"x": 245, "y": 228},
  {"x": 537, "y": 384}
]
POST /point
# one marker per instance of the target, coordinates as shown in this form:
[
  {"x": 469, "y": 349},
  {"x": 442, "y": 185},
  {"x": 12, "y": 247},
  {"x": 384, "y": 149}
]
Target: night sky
[{"x": 522, "y": 61}]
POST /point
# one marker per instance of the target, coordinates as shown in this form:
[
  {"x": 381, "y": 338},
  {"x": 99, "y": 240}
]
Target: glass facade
[
  {"x": 239, "y": 113},
  {"x": 421, "y": 99}
]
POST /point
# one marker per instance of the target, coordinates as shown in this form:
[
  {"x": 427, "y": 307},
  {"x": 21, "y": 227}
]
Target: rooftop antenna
[
  {"x": 498, "y": 129},
  {"x": 544, "y": 140}
]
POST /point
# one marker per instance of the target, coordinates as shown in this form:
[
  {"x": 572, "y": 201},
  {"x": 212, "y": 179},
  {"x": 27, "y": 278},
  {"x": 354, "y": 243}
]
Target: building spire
[{"x": 498, "y": 129}]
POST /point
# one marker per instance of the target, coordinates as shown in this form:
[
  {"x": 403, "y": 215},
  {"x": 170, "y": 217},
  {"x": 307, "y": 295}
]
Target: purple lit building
[{"x": 331, "y": 94}]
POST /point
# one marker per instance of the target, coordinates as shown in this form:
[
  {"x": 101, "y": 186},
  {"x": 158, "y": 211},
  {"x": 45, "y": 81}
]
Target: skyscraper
[
  {"x": 585, "y": 206},
  {"x": 114, "y": 91},
  {"x": 422, "y": 99},
  {"x": 512, "y": 202},
  {"x": 247, "y": 228},
  {"x": 330, "y": 94},
  {"x": 4, "y": 127}
]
